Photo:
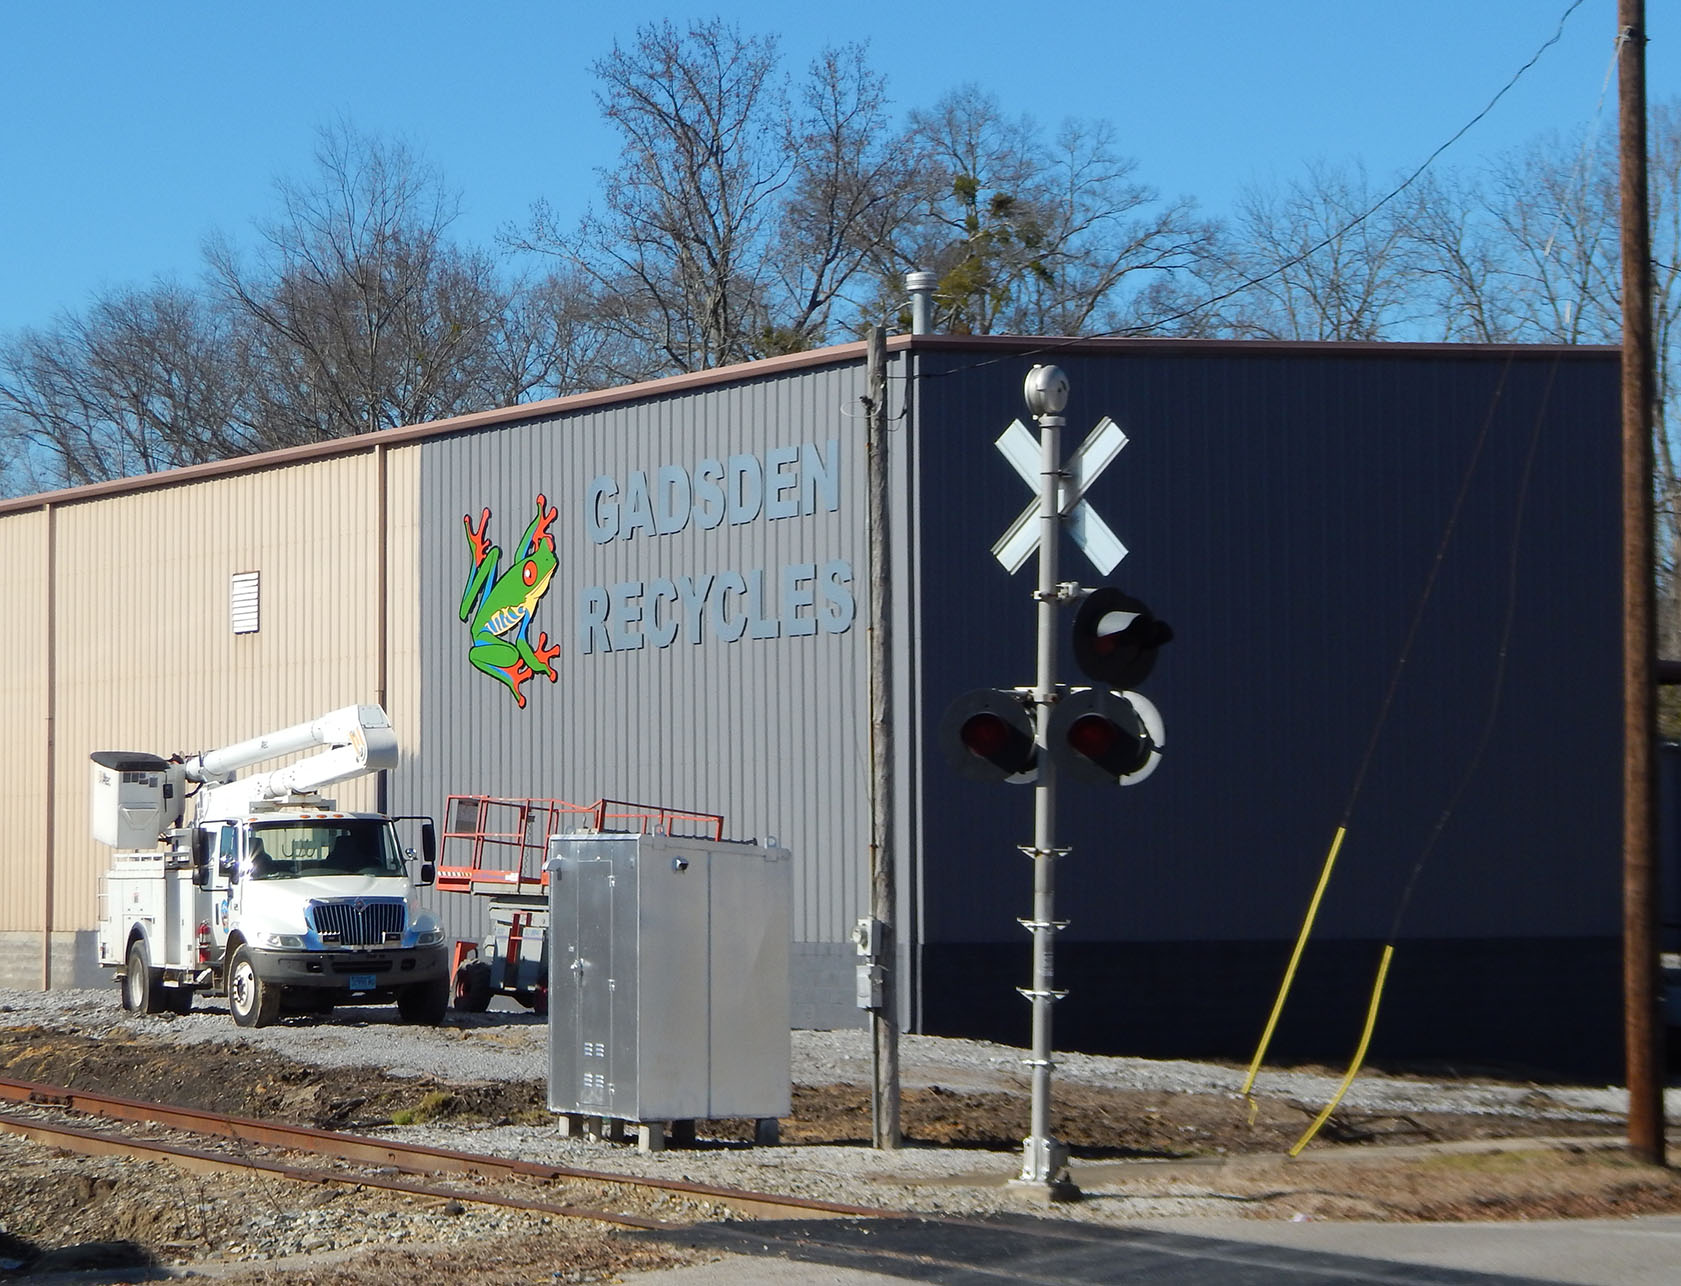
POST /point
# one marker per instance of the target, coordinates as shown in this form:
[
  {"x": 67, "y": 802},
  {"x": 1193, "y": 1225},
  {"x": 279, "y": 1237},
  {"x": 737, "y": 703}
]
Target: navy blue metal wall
[{"x": 1286, "y": 509}]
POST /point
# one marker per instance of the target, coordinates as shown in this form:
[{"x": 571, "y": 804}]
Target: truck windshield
[{"x": 344, "y": 846}]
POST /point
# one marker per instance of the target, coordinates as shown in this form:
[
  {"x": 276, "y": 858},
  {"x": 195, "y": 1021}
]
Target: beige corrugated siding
[
  {"x": 147, "y": 658},
  {"x": 23, "y": 716}
]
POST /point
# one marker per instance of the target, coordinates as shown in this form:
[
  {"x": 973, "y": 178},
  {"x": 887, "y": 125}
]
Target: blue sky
[{"x": 129, "y": 131}]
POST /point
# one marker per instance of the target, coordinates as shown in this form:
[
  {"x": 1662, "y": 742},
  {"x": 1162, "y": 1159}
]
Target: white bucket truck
[{"x": 272, "y": 897}]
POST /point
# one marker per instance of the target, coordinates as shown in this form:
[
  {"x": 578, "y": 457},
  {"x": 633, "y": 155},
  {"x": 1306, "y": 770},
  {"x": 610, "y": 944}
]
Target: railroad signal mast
[{"x": 1108, "y": 734}]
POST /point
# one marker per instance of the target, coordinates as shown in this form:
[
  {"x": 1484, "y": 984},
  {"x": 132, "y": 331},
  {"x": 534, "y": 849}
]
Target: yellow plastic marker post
[
  {"x": 1290, "y": 972},
  {"x": 1359, "y": 1054}
]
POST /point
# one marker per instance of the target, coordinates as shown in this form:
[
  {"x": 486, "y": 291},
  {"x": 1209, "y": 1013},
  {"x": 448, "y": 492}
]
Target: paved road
[
  {"x": 1612, "y": 1252},
  {"x": 1633, "y": 1252}
]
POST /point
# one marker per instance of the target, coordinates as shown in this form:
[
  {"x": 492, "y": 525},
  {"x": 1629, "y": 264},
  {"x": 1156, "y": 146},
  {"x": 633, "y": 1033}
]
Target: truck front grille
[{"x": 359, "y": 922}]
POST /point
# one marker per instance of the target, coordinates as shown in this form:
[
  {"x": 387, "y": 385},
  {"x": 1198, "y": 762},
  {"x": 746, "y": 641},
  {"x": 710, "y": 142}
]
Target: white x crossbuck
[{"x": 1090, "y": 532}]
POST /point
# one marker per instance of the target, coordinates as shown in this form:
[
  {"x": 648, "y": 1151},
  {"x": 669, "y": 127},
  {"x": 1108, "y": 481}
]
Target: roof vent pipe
[{"x": 921, "y": 285}]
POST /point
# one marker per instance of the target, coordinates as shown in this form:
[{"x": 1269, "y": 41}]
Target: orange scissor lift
[{"x": 500, "y": 850}]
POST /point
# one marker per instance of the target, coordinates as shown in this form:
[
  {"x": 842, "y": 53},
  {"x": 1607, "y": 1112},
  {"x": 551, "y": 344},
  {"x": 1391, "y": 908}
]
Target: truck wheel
[
  {"x": 472, "y": 987},
  {"x": 424, "y": 1002},
  {"x": 142, "y": 991},
  {"x": 254, "y": 1003}
]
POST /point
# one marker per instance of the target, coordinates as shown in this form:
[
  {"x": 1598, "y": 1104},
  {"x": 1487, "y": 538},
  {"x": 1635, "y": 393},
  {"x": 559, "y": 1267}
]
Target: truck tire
[
  {"x": 142, "y": 989},
  {"x": 253, "y": 1002},
  {"x": 472, "y": 987},
  {"x": 424, "y": 1002}
]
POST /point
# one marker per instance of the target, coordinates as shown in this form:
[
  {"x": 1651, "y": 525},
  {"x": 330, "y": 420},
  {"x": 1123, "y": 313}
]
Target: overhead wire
[
  {"x": 1379, "y": 723},
  {"x": 1497, "y": 686},
  {"x": 1353, "y": 223},
  {"x": 1386, "y": 198},
  {"x": 1473, "y": 764}
]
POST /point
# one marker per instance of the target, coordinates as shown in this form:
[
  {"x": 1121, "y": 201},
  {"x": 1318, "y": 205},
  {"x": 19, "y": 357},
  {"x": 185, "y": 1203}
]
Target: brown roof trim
[
  {"x": 363, "y": 443},
  {"x": 839, "y": 354}
]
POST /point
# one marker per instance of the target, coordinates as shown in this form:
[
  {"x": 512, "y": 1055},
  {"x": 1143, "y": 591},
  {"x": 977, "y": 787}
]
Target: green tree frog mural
[{"x": 498, "y": 605}]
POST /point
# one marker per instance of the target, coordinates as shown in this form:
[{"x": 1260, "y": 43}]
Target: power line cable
[
  {"x": 1402, "y": 186},
  {"x": 1502, "y": 653},
  {"x": 1473, "y": 764},
  {"x": 1355, "y": 222},
  {"x": 1497, "y": 689}
]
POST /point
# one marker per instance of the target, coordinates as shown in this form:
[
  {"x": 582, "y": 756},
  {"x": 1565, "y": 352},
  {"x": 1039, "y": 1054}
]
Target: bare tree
[
  {"x": 564, "y": 335},
  {"x": 853, "y": 185},
  {"x": 679, "y": 242},
  {"x": 364, "y": 315},
  {"x": 1555, "y": 206},
  {"x": 1029, "y": 235},
  {"x": 145, "y": 380},
  {"x": 1111, "y": 238},
  {"x": 1529, "y": 252},
  {"x": 1322, "y": 258},
  {"x": 977, "y": 226},
  {"x": 1664, "y": 188},
  {"x": 1462, "y": 262}
]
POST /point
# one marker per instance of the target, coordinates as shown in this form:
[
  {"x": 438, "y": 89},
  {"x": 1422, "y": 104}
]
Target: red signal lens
[
  {"x": 1093, "y": 736},
  {"x": 988, "y": 735},
  {"x": 985, "y": 734}
]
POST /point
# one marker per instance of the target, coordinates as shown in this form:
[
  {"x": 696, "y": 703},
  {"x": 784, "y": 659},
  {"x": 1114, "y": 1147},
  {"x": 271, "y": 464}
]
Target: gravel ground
[
  {"x": 511, "y": 1045},
  {"x": 62, "y": 1212}
]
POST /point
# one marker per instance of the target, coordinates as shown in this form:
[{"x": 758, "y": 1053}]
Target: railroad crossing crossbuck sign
[{"x": 1089, "y": 531}]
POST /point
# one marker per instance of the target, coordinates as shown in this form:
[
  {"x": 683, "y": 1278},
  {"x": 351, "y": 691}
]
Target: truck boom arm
[
  {"x": 362, "y": 731},
  {"x": 138, "y": 796},
  {"x": 359, "y": 740}
]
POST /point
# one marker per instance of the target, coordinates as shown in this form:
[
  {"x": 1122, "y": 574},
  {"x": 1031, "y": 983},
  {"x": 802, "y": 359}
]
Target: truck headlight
[
  {"x": 429, "y": 935},
  {"x": 279, "y": 941}
]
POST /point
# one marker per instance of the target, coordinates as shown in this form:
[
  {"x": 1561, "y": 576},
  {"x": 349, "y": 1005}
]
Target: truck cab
[{"x": 318, "y": 909}]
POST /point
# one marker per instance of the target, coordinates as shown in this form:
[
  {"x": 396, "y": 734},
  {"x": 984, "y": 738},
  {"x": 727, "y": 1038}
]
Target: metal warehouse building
[{"x": 1313, "y": 520}]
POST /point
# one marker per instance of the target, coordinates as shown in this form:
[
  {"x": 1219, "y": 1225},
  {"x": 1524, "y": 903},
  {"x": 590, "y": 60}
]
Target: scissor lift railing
[
  {"x": 507, "y": 840},
  {"x": 620, "y": 815},
  {"x": 499, "y": 849},
  {"x": 497, "y": 846}
]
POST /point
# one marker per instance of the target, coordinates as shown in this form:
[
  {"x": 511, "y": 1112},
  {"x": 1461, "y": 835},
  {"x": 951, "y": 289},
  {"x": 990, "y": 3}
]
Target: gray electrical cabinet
[{"x": 668, "y": 982}]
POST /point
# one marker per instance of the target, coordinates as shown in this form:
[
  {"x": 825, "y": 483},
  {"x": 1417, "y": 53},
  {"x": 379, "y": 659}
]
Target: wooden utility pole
[
  {"x": 1643, "y": 1033},
  {"x": 884, "y": 1018}
]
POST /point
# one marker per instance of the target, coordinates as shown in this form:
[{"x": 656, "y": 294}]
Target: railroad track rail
[
  {"x": 389, "y": 1164},
  {"x": 1015, "y": 1249}
]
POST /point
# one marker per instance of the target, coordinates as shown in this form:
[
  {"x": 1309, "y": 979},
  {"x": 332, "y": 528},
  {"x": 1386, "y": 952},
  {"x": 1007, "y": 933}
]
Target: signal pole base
[{"x": 1044, "y": 1172}]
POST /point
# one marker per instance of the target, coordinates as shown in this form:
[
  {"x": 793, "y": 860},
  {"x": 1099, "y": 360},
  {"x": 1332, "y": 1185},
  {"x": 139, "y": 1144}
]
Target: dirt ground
[
  {"x": 1095, "y": 1123},
  {"x": 65, "y": 1212}
]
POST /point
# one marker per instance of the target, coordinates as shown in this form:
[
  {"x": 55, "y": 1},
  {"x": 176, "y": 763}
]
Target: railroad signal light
[
  {"x": 988, "y": 734},
  {"x": 1105, "y": 737},
  {"x": 1116, "y": 638}
]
